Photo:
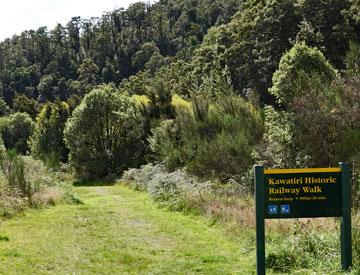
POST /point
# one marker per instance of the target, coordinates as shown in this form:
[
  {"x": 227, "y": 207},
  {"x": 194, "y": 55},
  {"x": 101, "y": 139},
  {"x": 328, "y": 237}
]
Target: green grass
[
  {"x": 120, "y": 231},
  {"x": 115, "y": 231}
]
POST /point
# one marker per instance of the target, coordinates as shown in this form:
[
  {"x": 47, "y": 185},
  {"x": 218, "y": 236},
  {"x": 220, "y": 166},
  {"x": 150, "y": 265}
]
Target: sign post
[
  {"x": 303, "y": 193},
  {"x": 345, "y": 237},
  {"x": 260, "y": 221}
]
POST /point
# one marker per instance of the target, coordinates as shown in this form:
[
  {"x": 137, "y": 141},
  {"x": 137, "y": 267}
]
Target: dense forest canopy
[{"x": 68, "y": 60}]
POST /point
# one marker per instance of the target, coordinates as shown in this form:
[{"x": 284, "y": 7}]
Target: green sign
[{"x": 303, "y": 193}]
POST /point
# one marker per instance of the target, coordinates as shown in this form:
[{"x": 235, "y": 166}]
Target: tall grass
[
  {"x": 13, "y": 168},
  {"x": 25, "y": 182}
]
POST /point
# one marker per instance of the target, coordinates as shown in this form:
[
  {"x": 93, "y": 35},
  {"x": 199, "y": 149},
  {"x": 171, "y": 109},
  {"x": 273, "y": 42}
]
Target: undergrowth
[
  {"x": 27, "y": 183},
  {"x": 303, "y": 244}
]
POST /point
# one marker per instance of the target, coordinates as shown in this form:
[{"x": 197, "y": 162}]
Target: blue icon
[
  {"x": 285, "y": 209},
  {"x": 273, "y": 209}
]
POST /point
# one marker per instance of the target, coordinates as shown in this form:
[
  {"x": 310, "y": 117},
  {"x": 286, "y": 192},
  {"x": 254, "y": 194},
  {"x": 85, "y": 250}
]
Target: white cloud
[{"x": 19, "y": 15}]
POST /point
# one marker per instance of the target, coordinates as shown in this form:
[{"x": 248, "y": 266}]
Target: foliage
[
  {"x": 23, "y": 104},
  {"x": 226, "y": 201},
  {"x": 26, "y": 183},
  {"x": 4, "y": 108},
  {"x": 13, "y": 168},
  {"x": 297, "y": 64},
  {"x": 16, "y": 130},
  {"x": 311, "y": 90},
  {"x": 277, "y": 149},
  {"x": 104, "y": 134},
  {"x": 71, "y": 59},
  {"x": 250, "y": 48},
  {"x": 47, "y": 142},
  {"x": 144, "y": 55},
  {"x": 227, "y": 130},
  {"x": 302, "y": 248}
]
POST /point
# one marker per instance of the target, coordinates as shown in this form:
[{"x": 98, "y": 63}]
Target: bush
[
  {"x": 278, "y": 148},
  {"x": 104, "y": 134},
  {"x": 163, "y": 143},
  {"x": 176, "y": 190},
  {"x": 16, "y": 130},
  {"x": 11, "y": 202},
  {"x": 180, "y": 191},
  {"x": 140, "y": 178},
  {"x": 214, "y": 140}
]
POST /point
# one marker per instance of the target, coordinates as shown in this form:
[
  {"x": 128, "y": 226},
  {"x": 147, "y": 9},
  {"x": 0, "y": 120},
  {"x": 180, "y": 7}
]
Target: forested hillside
[
  {"x": 213, "y": 86},
  {"x": 43, "y": 64}
]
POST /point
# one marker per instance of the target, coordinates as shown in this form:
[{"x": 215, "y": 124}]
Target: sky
[{"x": 19, "y": 15}]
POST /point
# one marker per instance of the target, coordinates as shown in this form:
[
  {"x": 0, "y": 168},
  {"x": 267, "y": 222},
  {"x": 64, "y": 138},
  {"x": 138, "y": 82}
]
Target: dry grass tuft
[
  {"x": 47, "y": 196},
  {"x": 240, "y": 211}
]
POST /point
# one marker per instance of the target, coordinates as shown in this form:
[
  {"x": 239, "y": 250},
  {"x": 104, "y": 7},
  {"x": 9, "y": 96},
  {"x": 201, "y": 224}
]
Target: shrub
[
  {"x": 11, "y": 202},
  {"x": 176, "y": 190},
  {"x": 49, "y": 186},
  {"x": 140, "y": 178},
  {"x": 209, "y": 139},
  {"x": 163, "y": 143},
  {"x": 182, "y": 192},
  {"x": 104, "y": 134},
  {"x": 16, "y": 130},
  {"x": 278, "y": 148}
]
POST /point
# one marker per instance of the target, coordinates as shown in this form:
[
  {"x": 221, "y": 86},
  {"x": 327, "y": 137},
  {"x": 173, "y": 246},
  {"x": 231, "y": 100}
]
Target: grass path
[{"x": 117, "y": 231}]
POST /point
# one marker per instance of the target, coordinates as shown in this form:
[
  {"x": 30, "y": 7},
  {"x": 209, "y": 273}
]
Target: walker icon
[
  {"x": 285, "y": 209},
  {"x": 273, "y": 209}
]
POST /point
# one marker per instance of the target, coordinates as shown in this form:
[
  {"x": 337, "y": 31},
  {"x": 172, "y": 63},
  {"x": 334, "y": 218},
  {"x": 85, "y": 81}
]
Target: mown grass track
[{"x": 118, "y": 231}]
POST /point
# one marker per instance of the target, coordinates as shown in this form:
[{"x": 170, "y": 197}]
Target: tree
[
  {"x": 4, "y": 108},
  {"x": 104, "y": 134},
  {"x": 23, "y": 104},
  {"x": 144, "y": 54},
  {"x": 47, "y": 87},
  {"x": 319, "y": 125},
  {"x": 328, "y": 17},
  {"x": 73, "y": 58},
  {"x": 301, "y": 62},
  {"x": 47, "y": 141},
  {"x": 88, "y": 72}
]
